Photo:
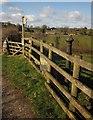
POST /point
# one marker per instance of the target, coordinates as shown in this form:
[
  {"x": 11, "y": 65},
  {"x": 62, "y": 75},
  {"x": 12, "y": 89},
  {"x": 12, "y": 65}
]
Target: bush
[{"x": 11, "y": 33}]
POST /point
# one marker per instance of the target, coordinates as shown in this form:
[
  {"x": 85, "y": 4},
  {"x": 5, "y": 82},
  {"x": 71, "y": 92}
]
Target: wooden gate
[{"x": 15, "y": 47}]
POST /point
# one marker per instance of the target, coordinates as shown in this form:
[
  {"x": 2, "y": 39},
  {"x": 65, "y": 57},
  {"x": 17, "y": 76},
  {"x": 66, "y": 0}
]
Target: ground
[{"x": 14, "y": 102}]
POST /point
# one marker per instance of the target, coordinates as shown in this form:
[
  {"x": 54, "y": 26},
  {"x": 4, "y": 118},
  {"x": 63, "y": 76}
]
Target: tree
[
  {"x": 43, "y": 28},
  {"x": 11, "y": 33},
  {"x": 31, "y": 28},
  {"x": 19, "y": 27},
  {"x": 90, "y": 32}
]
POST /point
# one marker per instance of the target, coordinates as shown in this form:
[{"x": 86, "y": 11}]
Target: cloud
[
  {"x": 12, "y": 8},
  {"x": 43, "y": 15},
  {"x": 74, "y": 16},
  {"x": 47, "y": 10},
  {"x": 15, "y": 17},
  {"x": 64, "y": 18},
  {"x": 30, "y": 18},
  {"x": 15, "y": 8},
  {"x": 3, "y": 1}
]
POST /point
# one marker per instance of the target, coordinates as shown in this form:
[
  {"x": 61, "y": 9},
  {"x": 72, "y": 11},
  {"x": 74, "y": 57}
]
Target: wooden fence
[{"x": 34, "y": 51}]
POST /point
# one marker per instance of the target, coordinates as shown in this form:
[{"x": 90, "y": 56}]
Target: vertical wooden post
[
  {"x": 24, "y": 21},
  {"x": 50, "y": 57},
  {"x": 30, "y": 48},
  {"x": 68, "y": 63},
  {"x": 23, "y": 32},
  {"x": 41, "y": 51},
  {"x": 41, "y": 46},
  {"x": 76, "y": 74}
]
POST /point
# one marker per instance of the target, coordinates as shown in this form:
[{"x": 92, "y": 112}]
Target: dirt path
[{"x": 14, "y": 103}]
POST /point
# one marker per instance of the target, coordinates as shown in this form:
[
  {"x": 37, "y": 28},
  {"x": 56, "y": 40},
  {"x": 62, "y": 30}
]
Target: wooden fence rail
[{"x": 44, "y": 64}]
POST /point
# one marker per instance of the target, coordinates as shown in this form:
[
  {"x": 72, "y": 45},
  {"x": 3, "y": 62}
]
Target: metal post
[
  {"x": 68, "y": 63},
  {"x": 69, "y": 51}
]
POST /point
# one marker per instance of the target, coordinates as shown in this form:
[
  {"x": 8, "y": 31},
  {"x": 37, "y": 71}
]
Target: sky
[{"x": 52, "y": 14}]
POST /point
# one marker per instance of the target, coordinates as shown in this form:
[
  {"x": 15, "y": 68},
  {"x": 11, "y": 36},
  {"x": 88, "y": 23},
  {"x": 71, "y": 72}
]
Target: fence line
[{"x": 45, "y": 63}]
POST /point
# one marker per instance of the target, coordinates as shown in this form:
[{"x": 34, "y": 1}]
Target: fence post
[
  {"x": 68, "y": 63},
  {"x": 6, "y": 46},
  {"x": 76, "y": 74},
  {"x": 41, "y": 52},
  {"x": 41, "y": 46},
  {"x": 24, "y": 20},
  {"x": 50, "y": 57},
  {"x": 30, "y": 48}
]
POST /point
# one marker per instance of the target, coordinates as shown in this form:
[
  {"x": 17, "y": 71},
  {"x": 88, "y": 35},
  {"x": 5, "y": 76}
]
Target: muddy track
[{"x": 14, "y": 103}]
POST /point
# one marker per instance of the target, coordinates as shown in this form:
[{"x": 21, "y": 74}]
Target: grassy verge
[{"x": 24, "y": 76}]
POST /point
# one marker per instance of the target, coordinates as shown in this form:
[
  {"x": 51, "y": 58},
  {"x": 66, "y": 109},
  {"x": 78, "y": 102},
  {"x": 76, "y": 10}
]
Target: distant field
[{"x": 81, "y": 44}]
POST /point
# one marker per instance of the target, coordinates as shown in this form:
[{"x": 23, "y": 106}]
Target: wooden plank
[
  {"x": 14, "y": 42},
  {"x": 34, "y": 40},
  {"x": 17, "y": 51},
  {"x": 37, "y": 69},
  {"x": 14, "y": 50},
  {"x": 74, "y": 102},
  {"x": 10, "y": 46},
  {"x": 66, "y": 110},
  {"x": 37, "y": 61},
  {"x": 88, "y": 91},
  {"x": 34, "y": 49},
  {"x": 28, "y": 38},
  {"x": 27, "y": 45},
  {"x": 49, "y": 66},
  {"x": 70, "y": 58},
  {"x": 76, "y": 74},
  {"x": 26, "y": 49}
]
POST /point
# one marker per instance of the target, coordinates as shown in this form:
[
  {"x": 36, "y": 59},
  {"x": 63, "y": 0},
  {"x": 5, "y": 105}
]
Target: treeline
[{"x": 13, "y": 31}]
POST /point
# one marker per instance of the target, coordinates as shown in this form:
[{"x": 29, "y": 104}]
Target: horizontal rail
[
  {"x": 14, "y": 42},
  {"x": 32, "y": 64},
  {"x": 26, "y": 49},
  {"x": 32, "y": 39},
  {"x": 70, "y": 58},
  {"x": 77, "y": 83},
  {"x": 74, "y": 102},
  {"x": 28, "y": 38},
  {"x": 66, "y": 110},
  {"x": 37, "y": 61},
  {"x": 27, "y": 45},
  {"x": 15, "y": 50},
  {"x": 13, "y": 46},
  {"x": 37, "y": 51}
]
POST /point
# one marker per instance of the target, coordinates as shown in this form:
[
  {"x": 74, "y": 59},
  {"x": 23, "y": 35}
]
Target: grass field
[
  {"x": 24, "y": 76},
  {"x": 82, "y": 43}
]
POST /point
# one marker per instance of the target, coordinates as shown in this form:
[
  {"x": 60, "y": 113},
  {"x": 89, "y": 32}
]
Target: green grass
[
  {"x": 82, "y": 43},
  {"x": 24, "y": 76},
  {"x": 88, "y": 58}
]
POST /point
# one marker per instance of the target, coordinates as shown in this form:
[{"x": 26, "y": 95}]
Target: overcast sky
[{"x": 57, "y": 14}]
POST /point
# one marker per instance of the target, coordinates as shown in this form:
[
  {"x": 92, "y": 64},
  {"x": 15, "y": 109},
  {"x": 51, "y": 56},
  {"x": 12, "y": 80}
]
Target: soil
[{"x": 14, "y": 102}]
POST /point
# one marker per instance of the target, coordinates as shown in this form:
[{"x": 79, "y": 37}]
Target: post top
[
  {"x": 24, "y": 20},
  {"x": 70, "y": 39}
]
